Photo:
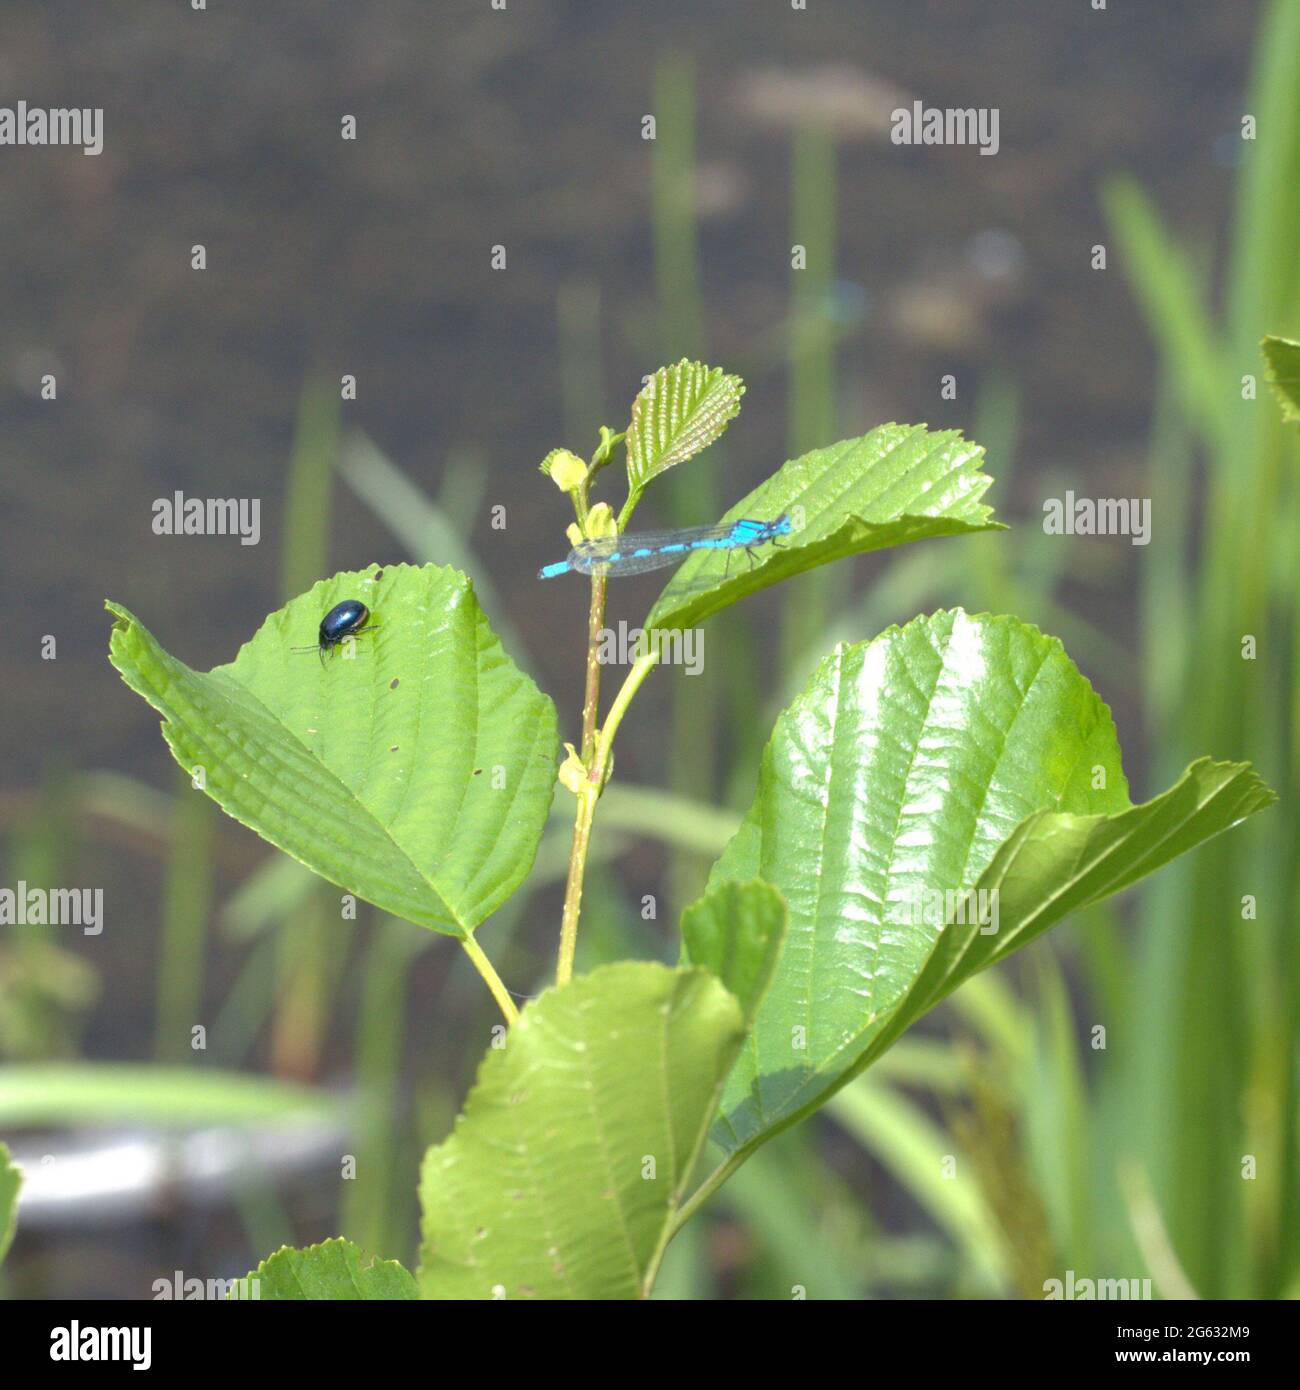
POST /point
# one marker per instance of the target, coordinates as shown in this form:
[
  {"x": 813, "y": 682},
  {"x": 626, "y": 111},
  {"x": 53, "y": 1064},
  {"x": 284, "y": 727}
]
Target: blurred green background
[{"x": 1119, "y": 1157}]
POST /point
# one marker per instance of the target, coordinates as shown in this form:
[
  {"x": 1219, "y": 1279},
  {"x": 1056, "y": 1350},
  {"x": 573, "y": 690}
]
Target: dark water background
[{"x": 523, "y": 128}]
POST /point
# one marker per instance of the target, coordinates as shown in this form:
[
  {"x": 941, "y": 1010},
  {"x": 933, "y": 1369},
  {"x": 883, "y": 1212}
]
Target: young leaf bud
[{"x": 566, "y": 470}]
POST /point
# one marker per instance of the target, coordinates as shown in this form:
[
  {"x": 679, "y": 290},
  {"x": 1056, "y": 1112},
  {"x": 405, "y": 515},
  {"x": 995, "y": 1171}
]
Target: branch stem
[
  {"x": 490, "y": 977},
  {"x": 591, "y": 697},
  {"x": 705, "y": 1190},
  {"x": 598, "y": 765}
]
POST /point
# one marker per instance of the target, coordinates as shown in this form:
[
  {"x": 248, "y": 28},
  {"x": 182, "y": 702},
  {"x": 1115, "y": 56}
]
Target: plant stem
[
  {"x": 591, "y": 698},
  {"x": 641, "y": 668},
  {"x": 490, "y": 977},
  {"x": 688, "y": 1209},
  {"x": 598, "y": 765},
  {"x": 680, "y": 1214},
  {"x": 706, "y": 1190},
  {"x": 588, "y": 795}
]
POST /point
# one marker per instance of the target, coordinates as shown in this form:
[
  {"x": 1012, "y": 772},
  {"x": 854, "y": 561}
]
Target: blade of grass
[
  {"x": 187, "y": 906},
  {"x": 371, "y": 1203},
  {"x": 305, "y": 542},
  {"x": 914, "y": 1150},
  {"x": 429, "y": 532},
  {"x": 1058, "y": 1111}
]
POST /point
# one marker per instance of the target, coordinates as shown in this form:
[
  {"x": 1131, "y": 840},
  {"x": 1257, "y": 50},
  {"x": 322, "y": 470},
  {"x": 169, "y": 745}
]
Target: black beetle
[{"x": 344, "y": 620}]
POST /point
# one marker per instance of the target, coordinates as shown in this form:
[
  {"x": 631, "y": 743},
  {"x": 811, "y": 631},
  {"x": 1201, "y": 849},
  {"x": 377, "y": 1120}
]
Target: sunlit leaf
[
  {"x": 570, "y": 1160},
  {"x": 1283, "y": 355},
  {"x": 957, "y": 753},
  {"x": 737, "y": 932},
  {"x": 413, "y": 768},
  {"x": 680, "y": 411},
  {"x": 333, "y": 1270},
  {"x": 899, "y": 483}
]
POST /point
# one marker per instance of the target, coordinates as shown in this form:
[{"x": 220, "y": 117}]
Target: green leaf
[
  {"x": 566, "y": 1168},
  {"x": 899, "y": 483},
  {"x": 680, "y": 411},
  {"x": 1054, "y": 864},
  {"x": 953, "y": 754},
  {"x": 10, "y": 1181},
  {"x": 335, "y": 1269},
  {"x": 1283, "y": 356},
  {"x": 737, "y": 932},
  {"x": 604, "y": 452},
  {"x": 414, "y": 769}
]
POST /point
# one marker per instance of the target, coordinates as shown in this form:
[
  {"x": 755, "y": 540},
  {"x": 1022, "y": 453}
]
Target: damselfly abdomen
[{"x": 637, "y": 552}]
